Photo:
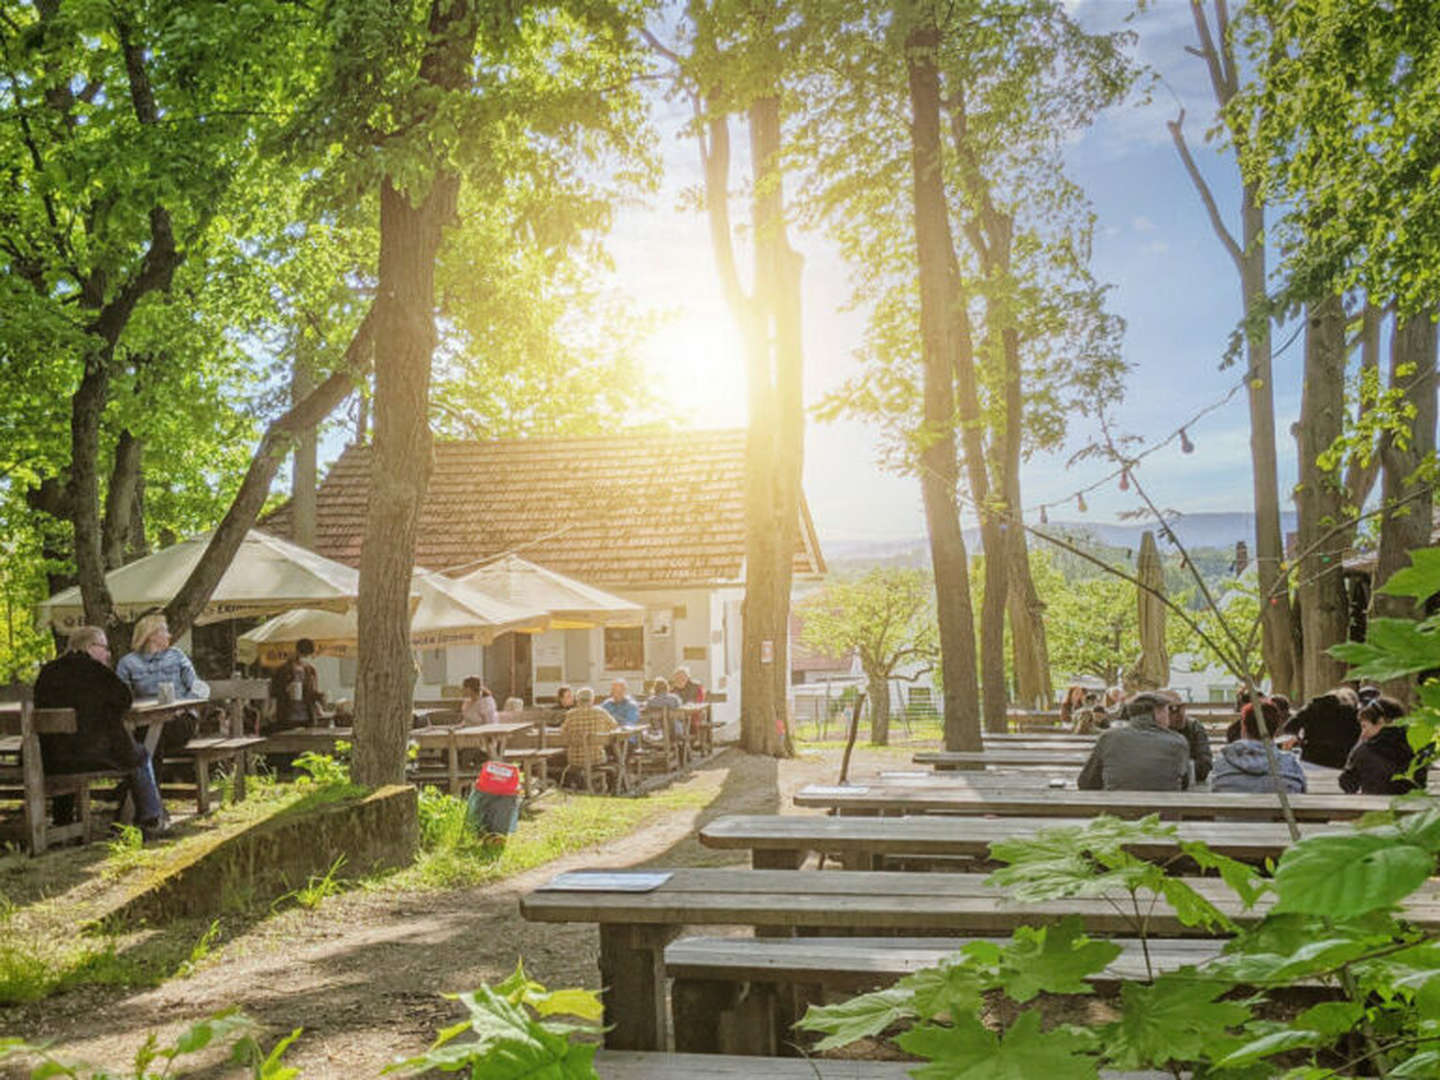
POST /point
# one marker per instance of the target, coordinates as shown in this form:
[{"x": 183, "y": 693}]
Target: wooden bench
[
  {"x": 743, "y": 995},
  {"x": 207, "y": 750},
  {"x": 637, "y": 1065},
  {"x": 35, "y": 787},
  {"x": 783, "y": 841},
  {"x": 964, "y": 796},
  {"x": 238, "y": 700},
  {"x": 635, "y": 926}
]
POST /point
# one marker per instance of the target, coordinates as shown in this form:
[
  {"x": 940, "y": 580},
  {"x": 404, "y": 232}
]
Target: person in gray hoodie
[
  {"x": 1144, "y": 755},
  {"x": 1243, "y": 764}
]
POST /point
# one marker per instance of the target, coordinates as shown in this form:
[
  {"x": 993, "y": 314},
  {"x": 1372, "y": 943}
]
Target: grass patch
[{"x": 452, "y": 856}]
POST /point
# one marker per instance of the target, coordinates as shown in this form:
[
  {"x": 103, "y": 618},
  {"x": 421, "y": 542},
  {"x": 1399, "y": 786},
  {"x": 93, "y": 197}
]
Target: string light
[
  {"x": 1080, "y": 502},
  {"x": 1125, "y": 480},
  {"x": 1186, "y": 446},
  {"x": 1044, "y": 517}
]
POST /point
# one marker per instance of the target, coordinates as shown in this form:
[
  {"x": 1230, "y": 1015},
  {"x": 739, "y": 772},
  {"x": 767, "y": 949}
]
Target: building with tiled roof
[{"x": 655, "y": 517}]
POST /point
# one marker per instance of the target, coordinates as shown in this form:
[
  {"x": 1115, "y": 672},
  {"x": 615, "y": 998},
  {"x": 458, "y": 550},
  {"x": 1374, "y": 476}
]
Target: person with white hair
[
  {"x": 81, "y": 679},
  {"x": 584, "y": 720}
]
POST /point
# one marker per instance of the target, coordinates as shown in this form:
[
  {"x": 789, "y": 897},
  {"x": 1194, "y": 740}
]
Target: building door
[{"x": 507, "y": 668}]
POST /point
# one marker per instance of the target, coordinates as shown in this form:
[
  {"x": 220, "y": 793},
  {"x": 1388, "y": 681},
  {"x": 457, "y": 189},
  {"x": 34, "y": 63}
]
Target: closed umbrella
[
  {"x": 1152, "y": 670},
  {"x": 267, "y": 575},
  {"x": 448, "y": 613},
  {"x": 572, "y": 604}
]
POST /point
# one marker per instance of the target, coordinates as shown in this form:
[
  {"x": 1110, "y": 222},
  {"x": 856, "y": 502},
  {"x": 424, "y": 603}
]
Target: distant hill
[{"x": 1215, "y": 531}]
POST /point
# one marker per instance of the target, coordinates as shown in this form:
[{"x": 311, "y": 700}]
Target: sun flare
[{"x": 697, "y": 366}]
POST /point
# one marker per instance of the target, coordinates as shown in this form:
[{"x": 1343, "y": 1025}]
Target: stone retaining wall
[{"x": 274, "y": 856}]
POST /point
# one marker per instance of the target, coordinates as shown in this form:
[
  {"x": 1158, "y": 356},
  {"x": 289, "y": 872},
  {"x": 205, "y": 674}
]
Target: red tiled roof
[{"x": 634, "y": 510}]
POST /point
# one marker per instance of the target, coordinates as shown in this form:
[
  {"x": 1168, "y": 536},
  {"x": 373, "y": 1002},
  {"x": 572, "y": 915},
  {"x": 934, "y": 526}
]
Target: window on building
[{"x": 625, "y": 648}]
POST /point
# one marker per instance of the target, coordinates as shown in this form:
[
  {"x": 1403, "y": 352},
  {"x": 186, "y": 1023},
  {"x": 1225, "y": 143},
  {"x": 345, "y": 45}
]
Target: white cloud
[{"x": 1143, "y": 224}]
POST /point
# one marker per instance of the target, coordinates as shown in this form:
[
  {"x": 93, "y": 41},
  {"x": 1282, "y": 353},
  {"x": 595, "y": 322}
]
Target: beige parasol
[
  {"x": 1152, "y": 670},
  {"x": 572, "y": 605},
  {"x": 448, "y": 613},
  {"x": 266, "y": 576}
]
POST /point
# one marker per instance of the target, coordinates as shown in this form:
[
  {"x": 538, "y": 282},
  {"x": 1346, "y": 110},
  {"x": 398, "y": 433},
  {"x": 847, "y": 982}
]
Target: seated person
[
  {"x": 660, "y": 699},
  {"x": 514, "y": 705},
  {"x": 81, "y": 680},
  {"x": 477, "y": 704},
  {"x": 685, "y": 688},
  {"x": 564, "y": 702},
  {"x": 1244, "y": 765},
  {"x": 152, "y": 660},
  {"x": 621, "y": 705},
  {"x": 584, "y": 720},
  {"x": 1327, "y": 727},
  {"x": 1195, "y": 735},
  {"x": 295, "y": 689},
  {"x": 1143, "y": 755},
  {"x": 1382, "y": 752}
]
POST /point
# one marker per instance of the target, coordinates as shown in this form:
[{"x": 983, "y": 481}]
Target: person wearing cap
[
  {"x": 1195, "y": 734},
  {"x": 1327, "y": 727},
  {"x": 1145, "y": 755}
]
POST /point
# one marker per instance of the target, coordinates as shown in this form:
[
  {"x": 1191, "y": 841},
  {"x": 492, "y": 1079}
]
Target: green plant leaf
[
  {"x": 968, "y": 1051},
  {"x": 1343, "y": 874},
  {"x": 950, "y": 989},
  {"x": 1052, "y": 959},
  {"x": 1243, "y": 878},
  {"x": 1273, "y": 1042},
  {"x": 1191, "y": 908},
  {"x": 1420, "y": 580},
  {"x": 1176, "y": 1018},
  {"x": 1392, "y": 649},
  {"x": 1424, "y": 1064},
  {"x": 859, "y": 1017},
  {"x": 574, "y": 1001},
  {"x": 1331, "y": 1017}
]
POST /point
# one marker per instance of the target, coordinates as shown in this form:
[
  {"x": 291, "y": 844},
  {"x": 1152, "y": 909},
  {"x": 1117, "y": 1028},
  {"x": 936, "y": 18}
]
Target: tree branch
[{"x": 1206, "y": 196}]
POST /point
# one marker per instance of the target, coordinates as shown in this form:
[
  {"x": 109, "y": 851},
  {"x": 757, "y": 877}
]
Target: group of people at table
[
  {"x": 1149, "y": 743},
  {"x": 83, "y": 680}
]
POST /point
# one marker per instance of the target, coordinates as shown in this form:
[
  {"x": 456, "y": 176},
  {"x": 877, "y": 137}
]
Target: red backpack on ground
[{"x": 498, "y": 778}]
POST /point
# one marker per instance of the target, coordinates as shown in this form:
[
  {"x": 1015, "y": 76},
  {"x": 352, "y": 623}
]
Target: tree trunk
[
  {"x": 121, "y": 497},
  {"x": 1277, "y": 641},
  {"x": 877, "y": 691},
  {"x": 274, "y": 446},
  {"x": 1324, "y": 611},
  {"x": 401, "y": 459},
  {"x": 304, "y": 474},
  {"x": 938, "y": 465},
  {"x": 1407, "y": 525},
  {"x": 1029, "y": 646}
]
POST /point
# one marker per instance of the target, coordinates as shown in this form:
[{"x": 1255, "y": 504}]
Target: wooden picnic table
[
  {"x": 319, "y": 740},
  {"x": 153, "y": 716},
  {"x": 490, "y": 738},
  {"x": 635, "y": 927},
  {"x": 972, "y": 797},
  {"x": 783, "y": 841}
]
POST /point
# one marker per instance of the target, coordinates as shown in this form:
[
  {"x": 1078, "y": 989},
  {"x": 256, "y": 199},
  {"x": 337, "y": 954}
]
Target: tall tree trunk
[
  {"x": 401, "y": 460},
  {"x": 938, "y": 464},
  {"x": 121, "y": 500},
  {"x": 1278, "y": 643},
  {"x": 304, "y": 474},
  {"x": 1324, "y": 611},
  {"x": 877, "y": 692},
  {"x": 1408, "y": 524},
  {"x": 770, "y": 326}
]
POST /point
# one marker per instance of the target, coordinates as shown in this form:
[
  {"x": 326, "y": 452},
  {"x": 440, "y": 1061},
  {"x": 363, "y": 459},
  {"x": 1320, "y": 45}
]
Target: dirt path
[{"x": 363, "y": 973}]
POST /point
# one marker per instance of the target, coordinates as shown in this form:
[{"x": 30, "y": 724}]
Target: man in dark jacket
[
  {"x": 1196, "y": 737},
  {"x": 1143, "y": 755},
  {"x": 1382, "y": 752},
  {"x": 1327, "y": 727},
  {"x": 82, "y": 680}
]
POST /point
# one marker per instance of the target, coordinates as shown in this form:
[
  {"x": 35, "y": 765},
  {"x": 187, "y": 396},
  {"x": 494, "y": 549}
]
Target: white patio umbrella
[
  {"x": 267, "y": 575},
  {"x": 448, "y": 613},
  {"x": 572, "y": 604}
]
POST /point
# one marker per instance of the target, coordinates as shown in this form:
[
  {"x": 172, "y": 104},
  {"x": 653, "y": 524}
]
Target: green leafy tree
[{"x": 887, "y": 619}]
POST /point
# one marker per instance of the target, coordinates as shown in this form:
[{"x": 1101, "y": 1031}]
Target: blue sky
[{"x": 1172, "y": 282}]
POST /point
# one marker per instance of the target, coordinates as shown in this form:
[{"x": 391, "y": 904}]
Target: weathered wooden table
[
  {"x": 490, "y": 738},
  {"x": 320, "y": 740},
  {"x": 635, "y": 927},
  {"x": 783, "y": 841},
  {"x": 974, "y": 796}
]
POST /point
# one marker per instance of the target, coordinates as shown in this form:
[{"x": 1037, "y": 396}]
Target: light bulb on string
[
  {"x": 1124, "y": 479},
  {"x": 1044, "y": 517},
  {"x": 1080, "y": 502},
  {"x": 1186, "y": 446}
]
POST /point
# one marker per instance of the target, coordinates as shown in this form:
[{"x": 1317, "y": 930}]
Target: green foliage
[
  {"x": 1333, "y": 919},
  {"x": 886, "y": 616},
  {"x": 154, "y": 1061},
  {"x": 516, "y": 1033}
]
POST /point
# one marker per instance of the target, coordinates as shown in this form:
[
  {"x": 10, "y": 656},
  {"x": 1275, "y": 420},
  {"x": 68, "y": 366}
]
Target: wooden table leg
[
  {"x": 772, "y": 859},
  {"x": 632, "y": 968},
  {"x": 202, "y": 784},
  {"x": 454, "y": 752}
]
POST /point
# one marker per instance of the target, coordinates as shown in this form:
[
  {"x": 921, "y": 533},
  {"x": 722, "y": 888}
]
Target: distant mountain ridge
[{"x": 1205, "y": 530}]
